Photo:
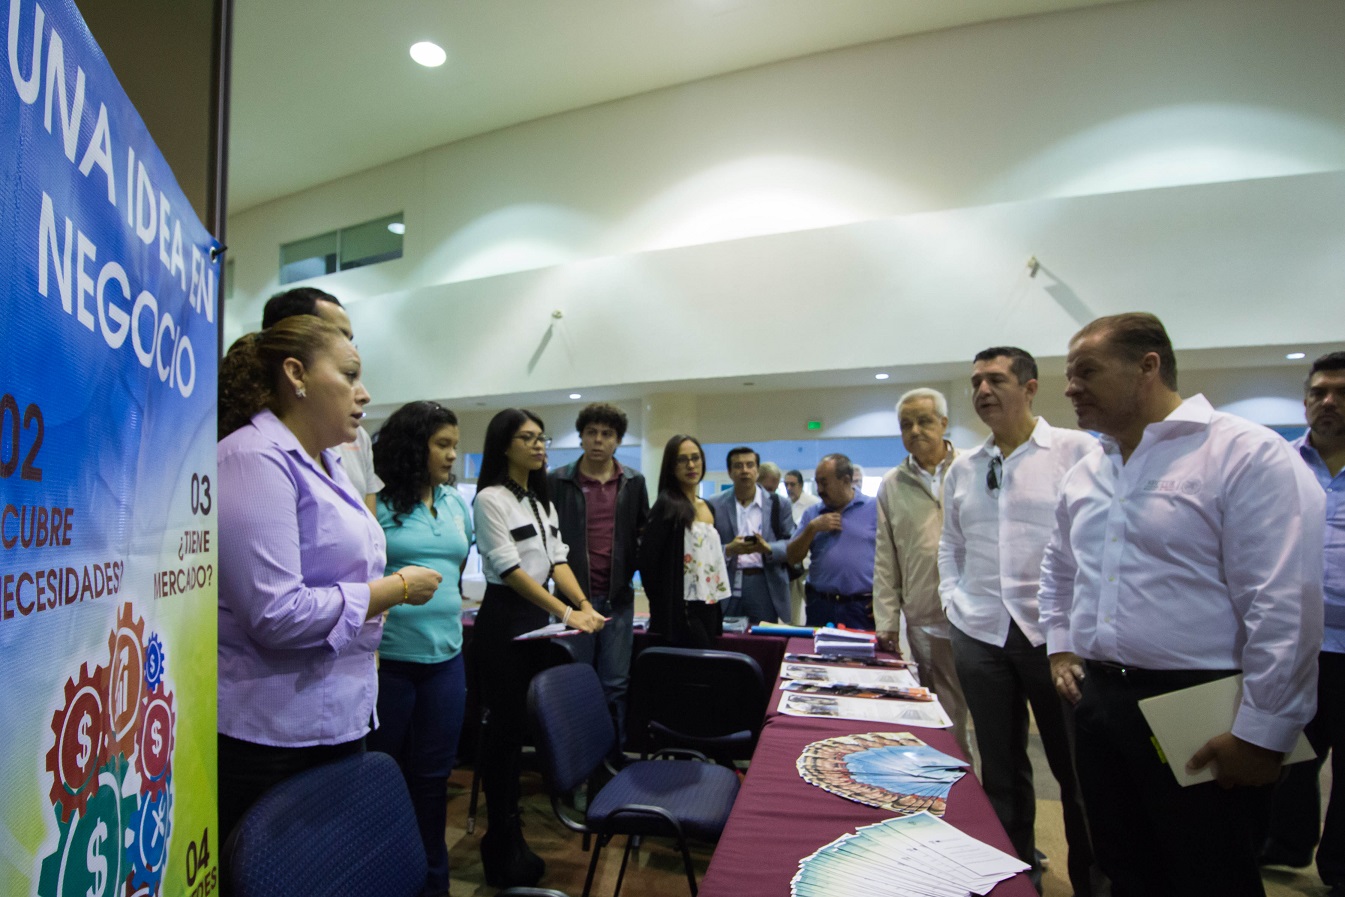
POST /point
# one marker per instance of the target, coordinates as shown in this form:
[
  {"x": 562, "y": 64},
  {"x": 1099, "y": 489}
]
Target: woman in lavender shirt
[{"x": 301, "y": 590}]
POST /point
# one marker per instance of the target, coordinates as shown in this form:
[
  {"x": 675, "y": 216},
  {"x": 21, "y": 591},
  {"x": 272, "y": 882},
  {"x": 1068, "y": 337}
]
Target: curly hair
[
  {"x": 401, "y": 453},
  {"x": 254, "y": 366},
  {"x": 604, "y": 414}
]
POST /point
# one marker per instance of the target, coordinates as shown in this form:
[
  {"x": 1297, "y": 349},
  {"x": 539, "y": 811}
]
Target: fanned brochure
[
  {"x": 910, "y": 856},
  {"x": 890, "y": 770}
]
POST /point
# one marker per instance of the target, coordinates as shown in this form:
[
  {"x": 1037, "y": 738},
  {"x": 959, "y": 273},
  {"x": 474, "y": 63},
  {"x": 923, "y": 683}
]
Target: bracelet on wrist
[
  {"x": 406, "y": 589},
  {"x": 566, "y": 619}
]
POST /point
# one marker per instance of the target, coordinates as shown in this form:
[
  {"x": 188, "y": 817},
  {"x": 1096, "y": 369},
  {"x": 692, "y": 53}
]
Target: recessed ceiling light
[
  {"x": 575, "y": 395},
  {"x": 428, "y": 54},
  {"x": 1295, "y": 356},
  {"x": 881, "y": 376},
  {"x": 397, "y": 227}
]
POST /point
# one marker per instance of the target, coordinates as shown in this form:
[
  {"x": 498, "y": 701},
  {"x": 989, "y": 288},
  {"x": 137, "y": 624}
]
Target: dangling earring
[{"x": 300, "y": 392}]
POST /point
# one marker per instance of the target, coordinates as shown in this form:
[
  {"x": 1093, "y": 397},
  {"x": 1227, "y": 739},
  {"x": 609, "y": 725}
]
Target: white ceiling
[{"x": 326, "y": 88}]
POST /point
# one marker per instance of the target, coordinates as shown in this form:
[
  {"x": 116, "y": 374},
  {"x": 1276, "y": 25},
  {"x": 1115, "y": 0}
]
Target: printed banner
[{"x": 107, "y": 468}]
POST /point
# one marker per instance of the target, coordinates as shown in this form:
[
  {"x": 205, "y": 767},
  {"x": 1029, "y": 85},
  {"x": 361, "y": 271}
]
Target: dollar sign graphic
[
  {"x": 85, "y": 742},
  {"x": 154, "y": 734},
  {"x": 97, "y": 863}
]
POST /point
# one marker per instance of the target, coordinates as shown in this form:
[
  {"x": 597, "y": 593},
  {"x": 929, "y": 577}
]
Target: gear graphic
[
  {"x": 81, "y": 729},
  {"x": 126, "y": 680},
  {"x": 90, "y": 855},
  {"x": 154, "y": 661},
  {"x": 155, "y": 741},
  {"x": 151, "y": 827}
]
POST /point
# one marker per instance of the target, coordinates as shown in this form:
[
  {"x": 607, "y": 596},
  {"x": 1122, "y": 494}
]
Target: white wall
[
  {"x": 1268, "y": 395},
  {"x": 876, "y": 205}
]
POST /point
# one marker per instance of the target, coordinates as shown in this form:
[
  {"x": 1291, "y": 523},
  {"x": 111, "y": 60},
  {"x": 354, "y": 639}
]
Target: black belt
[
  {"x": 752, "y": 571},
  {"x": 840, "y": 599},
  {"x": 1142, "y": 678}
]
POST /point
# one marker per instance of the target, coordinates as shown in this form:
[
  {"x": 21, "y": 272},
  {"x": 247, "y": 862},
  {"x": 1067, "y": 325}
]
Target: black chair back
[
  {"x": 711, "y": 701},
  {"x": 345, "y": 828}
]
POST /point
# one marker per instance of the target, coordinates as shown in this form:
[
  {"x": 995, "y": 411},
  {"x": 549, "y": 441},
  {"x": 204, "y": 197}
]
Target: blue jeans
[
  {"x": 609, "y": 652},
  {"x": 420, "y": 707}
]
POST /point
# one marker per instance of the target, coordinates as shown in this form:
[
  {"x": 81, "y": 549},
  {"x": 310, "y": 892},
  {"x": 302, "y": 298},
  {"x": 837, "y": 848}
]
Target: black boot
[
  {"x": 506, "y": 858},
  {"x": 535, "y": 865}
]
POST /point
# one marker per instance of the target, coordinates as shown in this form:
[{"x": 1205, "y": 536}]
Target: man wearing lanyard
[
  {"x": 1188, "y": 547},
  {"x": 1295, "y": 818},
  {"x": 999, "y": 504},
  {"x": 839, "y": 532}
]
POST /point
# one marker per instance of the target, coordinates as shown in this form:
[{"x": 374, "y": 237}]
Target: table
[{"x": 779, "y": 818}]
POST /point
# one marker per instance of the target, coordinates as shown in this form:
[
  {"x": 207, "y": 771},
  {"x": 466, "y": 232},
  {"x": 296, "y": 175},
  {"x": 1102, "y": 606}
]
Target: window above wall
[{"x": 369, "y": 243}]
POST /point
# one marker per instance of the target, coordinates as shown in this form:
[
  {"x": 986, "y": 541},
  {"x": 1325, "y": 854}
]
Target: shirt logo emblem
[{"x": 1185, "y": 487}]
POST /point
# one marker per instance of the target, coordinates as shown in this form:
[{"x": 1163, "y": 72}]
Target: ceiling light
[
  {"x": 1295, "y": 356},
  {"x": 575, "y": 395},
  {"x": 397, "y": 227},
  {"x": 881, "y": 376},
  {"x": 428, "y": 54}
]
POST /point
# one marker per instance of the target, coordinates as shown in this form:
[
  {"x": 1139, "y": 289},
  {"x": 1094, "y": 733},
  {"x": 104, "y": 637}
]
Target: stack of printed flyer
[
  {"x": 845, "y": 642},
  {"x": 874, "y": 690},
  {"x": 910, "y": 856},
  {"x": 889, "y": 770}
]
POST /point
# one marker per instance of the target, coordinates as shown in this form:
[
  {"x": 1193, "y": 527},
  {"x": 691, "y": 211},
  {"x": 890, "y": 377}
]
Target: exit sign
[{"x": 814, "y": 425}]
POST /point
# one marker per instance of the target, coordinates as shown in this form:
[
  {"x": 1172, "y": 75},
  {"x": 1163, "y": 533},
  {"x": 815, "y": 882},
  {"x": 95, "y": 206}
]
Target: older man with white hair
[{"x": 906, "y": 559}]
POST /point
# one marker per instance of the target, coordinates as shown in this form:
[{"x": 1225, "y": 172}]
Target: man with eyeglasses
[
  {"x": 999, "y": 510},
  {"x": 357, "y": 456},
  {"x": 800, "y": 500},
  {"x": 602, "y": 505}
]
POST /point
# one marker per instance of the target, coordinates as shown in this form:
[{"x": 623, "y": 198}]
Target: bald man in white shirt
[{"x": 1188, "y": 547}]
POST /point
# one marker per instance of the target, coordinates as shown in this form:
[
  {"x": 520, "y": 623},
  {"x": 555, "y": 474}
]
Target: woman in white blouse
[
  {"x": 518, "y": 536},
  {"x": 681, "y": 558}
]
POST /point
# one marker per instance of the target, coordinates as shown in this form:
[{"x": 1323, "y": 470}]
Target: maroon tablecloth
[{"x": 779, "y": 818}]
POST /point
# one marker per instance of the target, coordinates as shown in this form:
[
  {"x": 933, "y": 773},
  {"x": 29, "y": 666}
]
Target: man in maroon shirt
[{"x": 602, "y": 507}]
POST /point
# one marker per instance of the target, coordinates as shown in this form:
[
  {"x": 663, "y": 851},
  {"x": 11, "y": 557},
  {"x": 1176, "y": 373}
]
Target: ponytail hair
[{"x": 253, "y": 368}]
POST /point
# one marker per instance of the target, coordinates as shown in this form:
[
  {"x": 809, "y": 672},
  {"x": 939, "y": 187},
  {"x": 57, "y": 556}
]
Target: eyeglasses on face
[
  {"x": 530, "y": 439},
  {"x": 688, "y": 460}
]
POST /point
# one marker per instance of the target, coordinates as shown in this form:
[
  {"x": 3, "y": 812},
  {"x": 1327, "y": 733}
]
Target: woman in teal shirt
[{"x": 421, "y": 684}]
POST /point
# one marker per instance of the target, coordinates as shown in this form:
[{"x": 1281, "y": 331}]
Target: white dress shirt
[
  {"x": 992, "y": 543},
  {"x": 749, "y": 521},
  {"x": 806, "y": 501},
  {"x": 1203, "y": 551},
  {"x": 357, "y": 457}
]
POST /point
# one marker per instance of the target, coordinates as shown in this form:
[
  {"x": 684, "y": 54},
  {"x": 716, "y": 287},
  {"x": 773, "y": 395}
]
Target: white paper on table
[
  {"x": 926, "y": 714},
  {"x": 1183, "y": 720},
  {"x": 866, "y": 677}
]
